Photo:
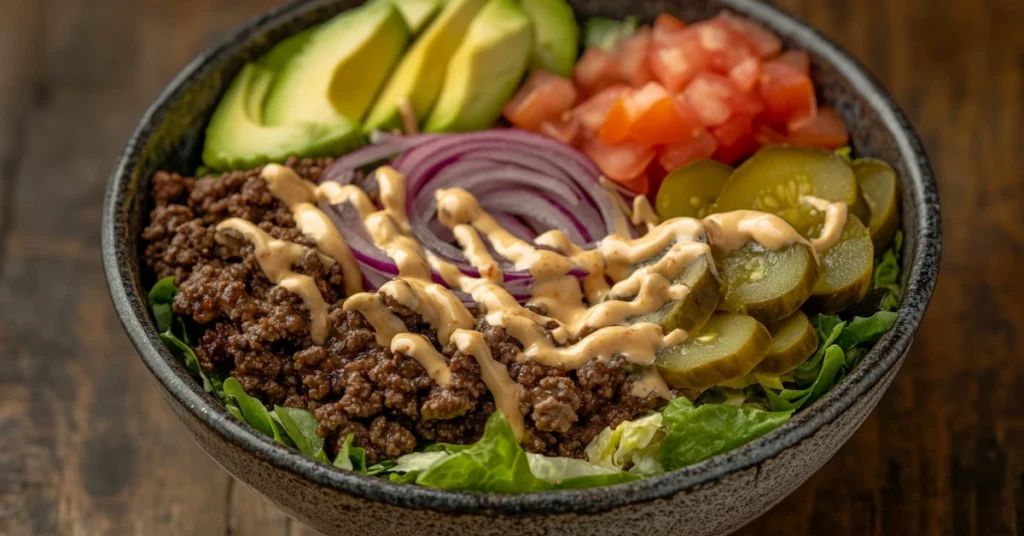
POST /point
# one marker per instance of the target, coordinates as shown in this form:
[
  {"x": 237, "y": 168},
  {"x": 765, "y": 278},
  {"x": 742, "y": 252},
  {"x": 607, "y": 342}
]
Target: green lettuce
[
  {"x": 615, "y": 449},
  {"x": 497, "y": 462},
  {"x": 695, "y": 433},
  {"x": 350, "y": 457},
  {"x": 839, "y": 350},
  {"x": 886, "y": 274},
  {"x": 174, "y": 333}
]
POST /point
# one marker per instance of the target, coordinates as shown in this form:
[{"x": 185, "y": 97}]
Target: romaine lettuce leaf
[
  {"x": 886, "y": 274},
  {"x": 351, "y": 458},
  {"x": 614, "y": 449},
  {"x": 697, "y": 433}
]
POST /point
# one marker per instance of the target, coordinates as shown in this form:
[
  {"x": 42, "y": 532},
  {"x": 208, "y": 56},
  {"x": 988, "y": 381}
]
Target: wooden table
[{"x": 87, "y": 446}]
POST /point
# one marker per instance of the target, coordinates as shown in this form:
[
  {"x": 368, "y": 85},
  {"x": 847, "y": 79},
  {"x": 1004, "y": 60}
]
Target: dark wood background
[{"x": 87, "y": 446}]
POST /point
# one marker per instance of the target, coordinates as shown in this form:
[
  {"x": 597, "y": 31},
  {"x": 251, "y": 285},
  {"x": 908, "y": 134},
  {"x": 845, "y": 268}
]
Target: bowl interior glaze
[{"x": 170, "y": 137}]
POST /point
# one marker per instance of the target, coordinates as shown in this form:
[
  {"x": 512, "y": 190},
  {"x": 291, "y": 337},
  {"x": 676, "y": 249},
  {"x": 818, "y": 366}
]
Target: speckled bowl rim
[{"x": 130, "y": 304}]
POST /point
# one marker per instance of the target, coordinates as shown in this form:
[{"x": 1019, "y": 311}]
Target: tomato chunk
[
  {"x": 666, "y": 28},
  {"x": 711, "y": 97},
  {"x": 639, "y": 185},
  {"x": 798, "y": 59},
  {"x": 596, "y": 70},
  {"x": 746, "y": 74},
  {"x": 564, "y": 129},
  {"x": 659, "y": 119},
  {"x": 592, "y": 112},
  {"x": 677, "y": 64},
  {"x": 788, "y": 94},
  {"x": 677, "y": 155},
  {"x": 736, "y": 139},
  {"x": 622, "y": 162},
  {"x": 615, "y": 128},
  {"x": 765, "y": 42},
  {"x": 725, "y": 47},
  {"x": 825, "y": 130},
  {"x": 543, "y": 97},
  {"x": 632, "y": 58}
]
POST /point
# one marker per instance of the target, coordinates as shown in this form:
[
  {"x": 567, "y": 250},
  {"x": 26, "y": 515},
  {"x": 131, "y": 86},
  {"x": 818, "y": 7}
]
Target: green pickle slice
[
  {"x": 877, "y": 182},
  {"x": 691, "y": 190},
  {"x": 729, "y": 346},
  {"x": 767, "y": 285},
  {"x": 774, "y": 179},
  {"x": 691, "y": 312},
  {"x": 794, "y": 339},
  {"x": 845, "y": 270}
]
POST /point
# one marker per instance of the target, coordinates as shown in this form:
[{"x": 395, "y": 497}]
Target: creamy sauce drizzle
[
  {"x": 613, "y": 291},
  {"x": 835, "y": 219},
  {"x": 643, "y": 213},
  {"x": 276, "y": 258},
  {"x": 422, "y": 350}
]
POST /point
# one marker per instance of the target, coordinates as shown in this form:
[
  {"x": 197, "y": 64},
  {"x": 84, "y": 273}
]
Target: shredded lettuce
[{"x": 695, "y": 433}]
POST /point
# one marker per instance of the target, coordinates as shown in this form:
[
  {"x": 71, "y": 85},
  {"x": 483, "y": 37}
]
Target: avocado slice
[
  {"x": 556, "y": 36},
  {"x": 417, "y": 13},
  {"x": 420, "y": 74},
  {"x": 317, "y": 84},
  {"x": 485, "y": 70},
  {"x": 283, "y": 52},
  {"x": 236, "y": 137}
]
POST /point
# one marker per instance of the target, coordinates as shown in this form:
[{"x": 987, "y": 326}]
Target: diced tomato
[
  {"x": 592, "y": 112},
  {"x": 765, "y": 42},
  {"x": 677, "y": 64},
  {"x": 788, "y": 94},
  {"x": 798, "y": 59},
  {"x": 615, "y": 128},
  {"x": 596, "y": 70},
  {"x": 655, "y": 175},
  {"x": 677, "y": 155},
  {"x": 766, "y": 135},
  {"x": 825, "y": 130},
  {"x": 622, "y": 162},
  {"x": 564, "y": 129},
  {"x": 632, "y": 58},
  {"x": 543, "y": 97},
  {"x": 710, "y": 96},
  {"x": 666, "y": 29},
  {"x": 658, "y": 119},
  {"x": 746, "y": 74},
  {"x": 725, "y": 47},
  {"x": 735, "y": 138}
]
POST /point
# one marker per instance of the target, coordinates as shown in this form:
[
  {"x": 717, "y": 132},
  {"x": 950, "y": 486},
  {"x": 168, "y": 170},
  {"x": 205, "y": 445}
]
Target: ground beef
[{"x": 259, "y": 333}]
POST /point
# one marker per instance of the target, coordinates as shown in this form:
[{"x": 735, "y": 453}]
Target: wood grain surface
[{"x": 88, "y": 447}]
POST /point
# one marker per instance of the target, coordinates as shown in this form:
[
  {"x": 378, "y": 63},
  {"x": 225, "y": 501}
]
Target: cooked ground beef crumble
[{"x": 260, "y": 334}]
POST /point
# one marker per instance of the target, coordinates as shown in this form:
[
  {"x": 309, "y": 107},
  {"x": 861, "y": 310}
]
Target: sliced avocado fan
[{"x": 484, "y": 71}]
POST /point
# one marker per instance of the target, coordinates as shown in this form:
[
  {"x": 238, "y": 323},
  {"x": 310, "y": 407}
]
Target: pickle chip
[
  {"x": 729, "y": 346},
  {"x": 775, "y": 178},
  {"x": 877, "y": 182},
  {"x": 690, "y": 190},
  {"x": 845, "y": 270},
  {"x": 794, "y": 339},
  {"x": 767, "y": 285},
  {"x": 691, "y": 312}
]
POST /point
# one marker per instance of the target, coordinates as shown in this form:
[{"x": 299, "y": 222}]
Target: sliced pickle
[
  {"x": 845, "y": 270},
  {"x": 861, "y": 209},
  {"x": 729, "y": 346},
  {"x": 767, "y": 285},
  {"x": 691, "y": 312},
  {"x": 774, "y": 179},
  {"x": 877, "y": 182},
  {"x": 690, "y": 190},
  {"x": 794, "y": 339}
]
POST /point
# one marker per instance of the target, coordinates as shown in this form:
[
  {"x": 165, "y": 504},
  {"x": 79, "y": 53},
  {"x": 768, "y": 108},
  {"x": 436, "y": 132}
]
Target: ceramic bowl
[{"x": 712, "y": 497}]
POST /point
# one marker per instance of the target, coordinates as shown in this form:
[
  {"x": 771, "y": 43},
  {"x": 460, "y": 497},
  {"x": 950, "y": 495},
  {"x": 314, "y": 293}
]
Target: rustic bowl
[{"x": 712, "y": 497}]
